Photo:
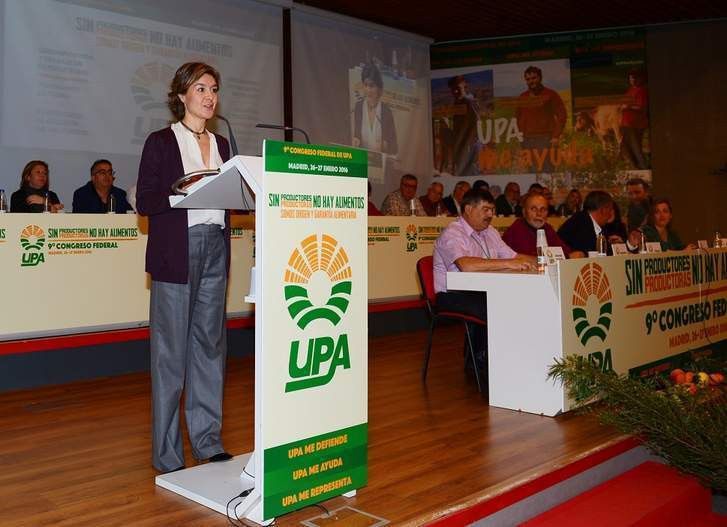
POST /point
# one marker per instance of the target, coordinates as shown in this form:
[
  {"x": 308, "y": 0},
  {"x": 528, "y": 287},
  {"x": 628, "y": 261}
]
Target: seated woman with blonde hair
[{"x": 33, "y": 195}]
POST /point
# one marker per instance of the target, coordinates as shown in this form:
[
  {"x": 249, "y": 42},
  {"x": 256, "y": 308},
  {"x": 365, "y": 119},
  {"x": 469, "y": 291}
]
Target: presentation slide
[
  {"x": 81, "y": 81},
  {"x": 377, "y": 97},
  {"x": 567, "y": 110}
]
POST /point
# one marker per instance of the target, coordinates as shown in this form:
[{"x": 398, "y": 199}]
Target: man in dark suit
[
  {"x": 508, "y": 203},
  {"x": 453, "y": 201},
  {"x": 581, "y": 229},
  {"x": 100, "y": 195}
]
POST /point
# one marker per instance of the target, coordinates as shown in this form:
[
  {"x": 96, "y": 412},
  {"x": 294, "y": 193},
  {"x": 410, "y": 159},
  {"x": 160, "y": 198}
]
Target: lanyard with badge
[{"x": 485, "y": 248}]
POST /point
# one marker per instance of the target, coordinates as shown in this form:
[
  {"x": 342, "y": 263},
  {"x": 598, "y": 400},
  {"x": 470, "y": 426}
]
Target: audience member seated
[
  {"x": 93, "y": 197},
  {"x": 31, "y": 197},
  {"x": 481, "y": 184},
  {"x": 373, "y": 209},
  {"x": 453, "y": 202},
  {"x": 548, "y": 195},
  {"x": 509, "y": 202},
  {"x": 615, "y": 230},
  {"x": 432, "y": 200},
  {"x": 471, "y": 244},
  {"x": 399, "y": 202},
  {"x": 521, "y": 235},
  {"x": 572, "y": 203},
  {"x": 537, "y": 188},
  {"x": 658, "y": 229},
  {"x": 580, "y": 230},
  {"x": 639, "y": 203}
]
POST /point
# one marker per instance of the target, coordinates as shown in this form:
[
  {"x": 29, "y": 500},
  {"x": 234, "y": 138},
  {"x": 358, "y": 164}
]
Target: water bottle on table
[
  {"x": 601, "y": 245},
  {"x": 3, "y": 202},
  {"x": 541, "y": 247}
]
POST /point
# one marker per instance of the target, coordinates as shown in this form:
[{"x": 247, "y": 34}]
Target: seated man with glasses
[
  {"x": 471, "y": 244},
  {"x": 404, "y": 201},
  {"x": 99, "y": 195}
]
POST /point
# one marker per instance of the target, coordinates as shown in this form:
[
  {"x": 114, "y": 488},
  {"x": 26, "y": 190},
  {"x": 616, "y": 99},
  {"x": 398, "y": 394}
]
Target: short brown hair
[
  {"x": 454, "y": 81},
  {"x": 25, "y": 175},
  {"x": 652, "y": 209},
  {"x": 637, "y": 181},
  {"x": 410, "y": 177},
  {"x": 597, "y": 199},
  {"x": 474, "y": 197},
  {"x": 534, "y": 69},
  {"x": 186, "y": 75}
]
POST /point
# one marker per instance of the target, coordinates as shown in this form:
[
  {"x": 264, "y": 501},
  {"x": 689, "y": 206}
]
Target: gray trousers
[{"x": 188, "y": 351}]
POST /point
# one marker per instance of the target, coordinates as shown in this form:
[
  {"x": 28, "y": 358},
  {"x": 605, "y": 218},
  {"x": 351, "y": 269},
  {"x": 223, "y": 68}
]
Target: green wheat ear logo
[
  {"x": 314, "y": 254},
  {"x": 32, "y": 238},
  {"x": 592, "y": 281}
]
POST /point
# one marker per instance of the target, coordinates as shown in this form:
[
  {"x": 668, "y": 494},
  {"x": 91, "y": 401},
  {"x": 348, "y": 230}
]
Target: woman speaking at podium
[{"x": 187, "y": 256}]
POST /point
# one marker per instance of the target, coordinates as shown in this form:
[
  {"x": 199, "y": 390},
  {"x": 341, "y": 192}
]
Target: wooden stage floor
[{"x": 79, "y": 454}]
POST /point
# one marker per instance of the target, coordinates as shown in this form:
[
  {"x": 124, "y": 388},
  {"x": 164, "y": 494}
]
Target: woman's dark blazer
[{"x": 167, "y": 247}]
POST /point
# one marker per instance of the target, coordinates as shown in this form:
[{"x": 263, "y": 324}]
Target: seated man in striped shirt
[{"x": 403, "y": 201}]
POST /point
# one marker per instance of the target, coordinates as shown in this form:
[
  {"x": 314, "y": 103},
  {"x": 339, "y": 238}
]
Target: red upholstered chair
[{"x": 425, "y": 270}]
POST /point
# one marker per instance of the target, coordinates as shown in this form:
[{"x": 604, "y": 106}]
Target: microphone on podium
[
  {"x": 283, "y": 127},
  {"x": 233, "y": 143}
]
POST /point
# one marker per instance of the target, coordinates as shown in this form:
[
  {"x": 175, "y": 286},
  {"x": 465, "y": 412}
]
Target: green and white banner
[
  {"x": 314, "y": 335},
  {"x": 643, "y": 314}
]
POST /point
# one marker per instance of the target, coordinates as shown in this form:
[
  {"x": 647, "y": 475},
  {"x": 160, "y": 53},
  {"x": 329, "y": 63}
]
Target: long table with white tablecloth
[
  {"x": 636, "y": 314},
  {"x": 76, "y": 273}
]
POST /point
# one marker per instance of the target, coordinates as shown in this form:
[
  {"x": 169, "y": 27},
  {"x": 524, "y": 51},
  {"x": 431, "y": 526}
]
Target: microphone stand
[
  {"x": 233, "y": 143},
  {"x": 284, "y": 128}
]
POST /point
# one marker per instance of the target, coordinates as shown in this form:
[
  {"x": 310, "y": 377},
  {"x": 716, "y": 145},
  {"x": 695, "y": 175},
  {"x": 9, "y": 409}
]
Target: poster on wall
[
  {"x": 565, "y": 111},
  {"x": 382, "y": 98},
  {"x": 362, "y": 85}
]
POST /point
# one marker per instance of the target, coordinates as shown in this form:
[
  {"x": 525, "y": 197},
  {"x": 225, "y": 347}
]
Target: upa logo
[
  {"x": 148, "y": 88},
  {"x": 32, "y": 240},
  {"x": 411, "y": 238},
  {"x": 317, "y": 288},
  {"x": 591, "y": 288},
  {"x": 592, "y": 311}
]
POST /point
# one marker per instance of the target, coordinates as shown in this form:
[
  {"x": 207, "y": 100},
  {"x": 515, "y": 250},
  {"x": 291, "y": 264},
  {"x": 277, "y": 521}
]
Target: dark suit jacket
[
  {"x": 503, "y": 208},
  {"x": 388, "y": 129},
  {"x": 451, "y": 207},
  {"x": 18, "y": 204},
  {"x": 578, "y": 232},
  {"x": 167, "y": 247},
  {"x": 87, "y": 200}
]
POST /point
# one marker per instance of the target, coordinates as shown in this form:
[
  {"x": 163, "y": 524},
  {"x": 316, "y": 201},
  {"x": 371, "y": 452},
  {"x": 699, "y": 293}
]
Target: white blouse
[
  {"x": 371, "y": 132},
  {"x": 192, "y": 161}
]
